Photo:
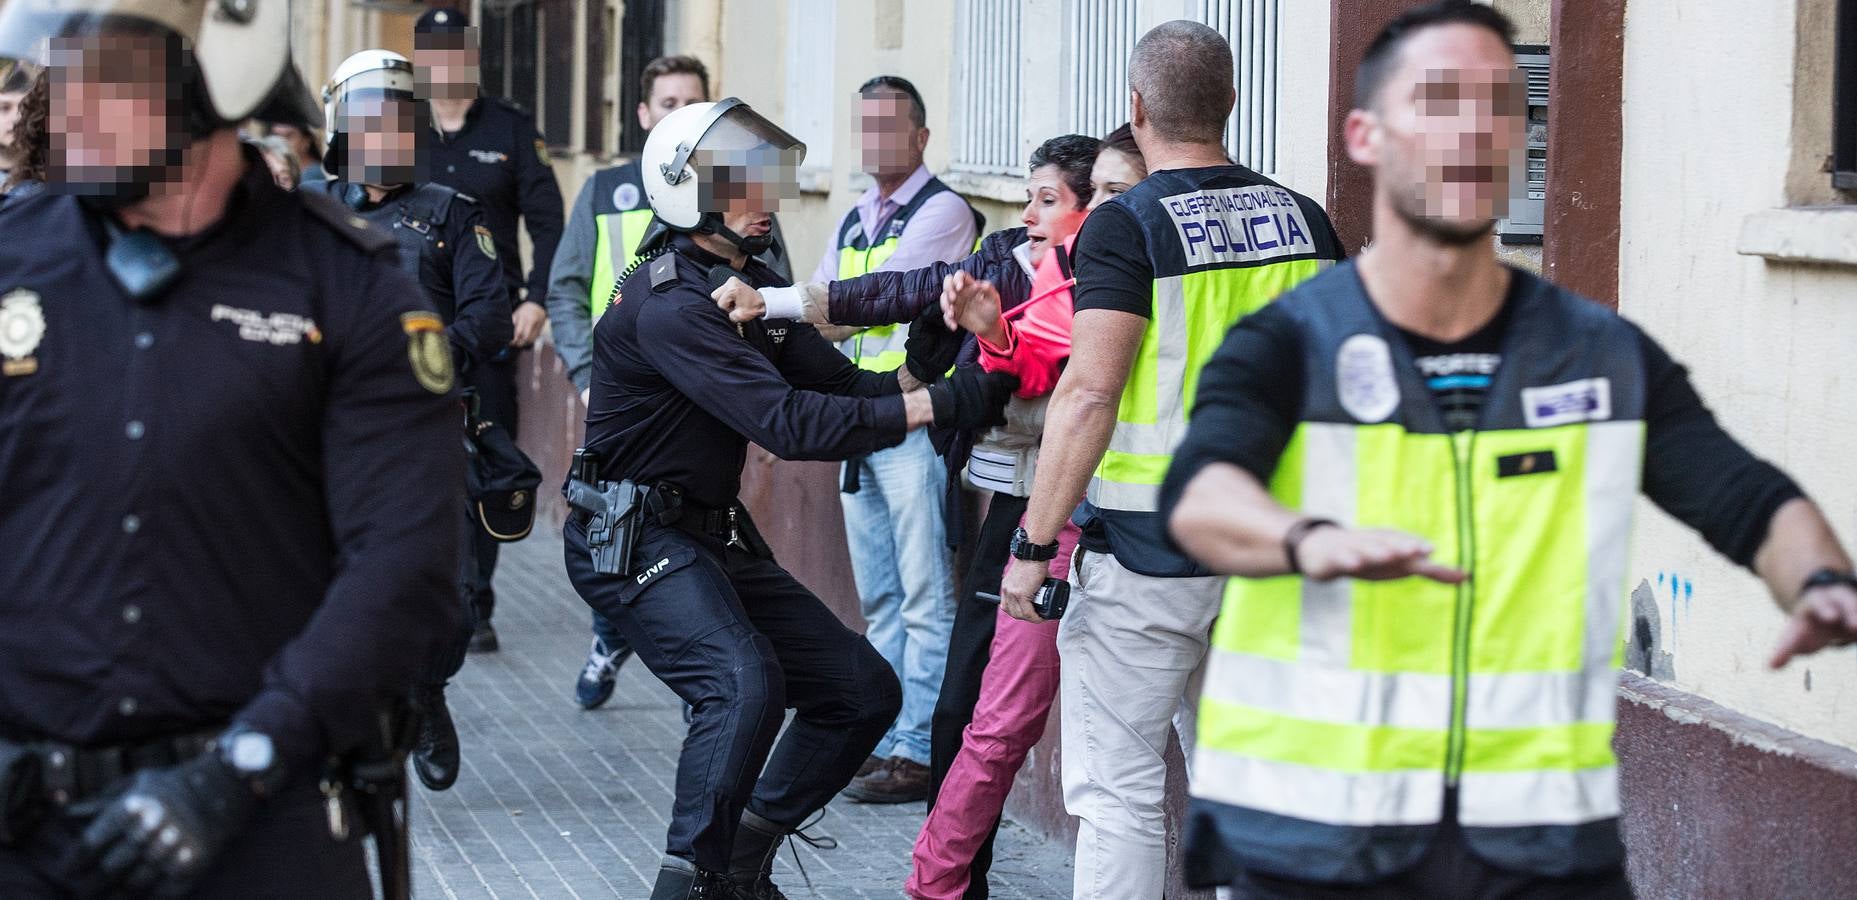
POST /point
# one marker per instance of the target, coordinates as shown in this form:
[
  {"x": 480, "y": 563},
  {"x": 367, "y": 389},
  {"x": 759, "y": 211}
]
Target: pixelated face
[
  {"x": 383, "y": 141},
  {"x": 888, "y": 136},
  {"x": 1112, "y": 175},
  {"x": 669, "y": 93},
  {"x": 1451, "y": 132},
  {"x": 115, "y": 110},
  {"x": 1053, "y": 212},
  {"x": 445, "y": 65}
]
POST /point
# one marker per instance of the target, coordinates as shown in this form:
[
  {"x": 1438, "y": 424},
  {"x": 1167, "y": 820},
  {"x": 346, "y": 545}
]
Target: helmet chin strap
[{"x": 751, "y": 246}]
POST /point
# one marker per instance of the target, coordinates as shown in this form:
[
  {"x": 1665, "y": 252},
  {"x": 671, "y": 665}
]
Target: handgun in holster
[{"x": 611, "y": 508}]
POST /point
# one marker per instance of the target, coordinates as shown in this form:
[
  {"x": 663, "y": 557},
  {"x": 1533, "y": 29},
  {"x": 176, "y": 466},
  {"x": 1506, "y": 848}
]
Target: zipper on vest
[{"x": 1463, "y": 443}]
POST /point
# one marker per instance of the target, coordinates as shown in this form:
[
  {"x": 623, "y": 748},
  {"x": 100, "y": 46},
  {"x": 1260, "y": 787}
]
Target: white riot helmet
[
  {"x": 240, "y": 50},
  {"x": 705, "y": 154},
  {"x": 360, "y": 86}
]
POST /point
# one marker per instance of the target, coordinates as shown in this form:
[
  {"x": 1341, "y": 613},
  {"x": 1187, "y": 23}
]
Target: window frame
[{"x": 1844, "y": 98}]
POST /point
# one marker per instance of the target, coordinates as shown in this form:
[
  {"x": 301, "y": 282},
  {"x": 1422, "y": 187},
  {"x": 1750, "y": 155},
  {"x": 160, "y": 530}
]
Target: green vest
[
  {"x": 1336, "y": 714},
  {"x": 1222, "y": 242},
  {"x": 621, "y": 213},
  {"x": 880, "y": 349}
]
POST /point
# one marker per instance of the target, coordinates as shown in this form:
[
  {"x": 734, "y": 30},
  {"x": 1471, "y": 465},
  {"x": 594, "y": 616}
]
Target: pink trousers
[{"x": 1016, "y": 693}]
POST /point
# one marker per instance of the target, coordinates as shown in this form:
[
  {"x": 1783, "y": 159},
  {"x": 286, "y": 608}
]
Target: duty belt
[{"x": 73, "y": 774}]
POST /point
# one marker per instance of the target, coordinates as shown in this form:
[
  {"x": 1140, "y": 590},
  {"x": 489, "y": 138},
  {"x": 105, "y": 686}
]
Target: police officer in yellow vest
[
  {"x": 894, "y": 503},
  {"x": 1162, "y": 272},
  {"x": 1424, "y": 466}
]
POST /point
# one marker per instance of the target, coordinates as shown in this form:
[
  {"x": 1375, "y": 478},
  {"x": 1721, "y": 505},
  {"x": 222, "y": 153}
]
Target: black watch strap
[
  {"x": 1292, "y": 539},
  {"x": 1023, "y": 548},
  {"x": 1826, "y": 578}
]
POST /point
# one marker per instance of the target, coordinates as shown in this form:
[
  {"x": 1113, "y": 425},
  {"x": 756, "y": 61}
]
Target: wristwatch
[
  {"x": 1023, "y": 548},
  {"x": 252, "y": 758},
  {"x": 1827, "y": 578}
]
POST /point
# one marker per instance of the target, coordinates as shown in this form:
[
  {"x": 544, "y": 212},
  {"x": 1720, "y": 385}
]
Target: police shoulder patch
[
  {"x": 429, "y": 351},
  {"x": 541, "y": 152},
  {"x": 485, "y": 242}
]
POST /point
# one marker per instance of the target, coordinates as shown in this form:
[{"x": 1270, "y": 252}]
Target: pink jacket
[{"x": 1038, "y": 330}]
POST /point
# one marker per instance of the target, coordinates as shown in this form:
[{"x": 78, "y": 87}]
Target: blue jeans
[{"x": 896, "y": 527}]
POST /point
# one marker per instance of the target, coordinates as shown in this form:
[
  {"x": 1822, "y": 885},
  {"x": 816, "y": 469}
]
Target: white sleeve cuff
[{"x": 783, "y": 302}]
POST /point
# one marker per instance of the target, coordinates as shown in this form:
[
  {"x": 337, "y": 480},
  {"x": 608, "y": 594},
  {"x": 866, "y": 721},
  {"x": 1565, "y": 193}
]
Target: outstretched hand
[
  {"x": 1370, "y": 554},
  {"x": 1826, "y": 617}
]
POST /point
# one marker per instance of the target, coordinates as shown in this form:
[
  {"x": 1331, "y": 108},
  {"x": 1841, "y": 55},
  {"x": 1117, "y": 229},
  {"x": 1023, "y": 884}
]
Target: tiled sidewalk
[{"x": 558, "y": 802}]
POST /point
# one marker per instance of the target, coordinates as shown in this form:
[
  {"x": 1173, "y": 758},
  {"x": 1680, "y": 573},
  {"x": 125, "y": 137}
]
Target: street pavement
[{"x": 557, "y": 802}]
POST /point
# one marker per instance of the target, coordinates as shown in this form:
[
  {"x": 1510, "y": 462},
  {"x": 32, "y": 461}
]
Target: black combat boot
[
  {"x": 435, "y": 754},
  {"x": 751, "y": 865},
  {"x": 680, "y": 879}
]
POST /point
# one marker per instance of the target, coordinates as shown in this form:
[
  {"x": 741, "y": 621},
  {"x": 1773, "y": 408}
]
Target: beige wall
[{"x": 1708, "y": 143}]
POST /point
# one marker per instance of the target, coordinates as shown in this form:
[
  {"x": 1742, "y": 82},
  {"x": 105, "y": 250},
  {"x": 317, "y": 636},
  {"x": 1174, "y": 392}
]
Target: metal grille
[
  {"x": 1251, "y": 26},
  {"x": 988, "y": 67},
  {"x": 1102, "y": 37}
]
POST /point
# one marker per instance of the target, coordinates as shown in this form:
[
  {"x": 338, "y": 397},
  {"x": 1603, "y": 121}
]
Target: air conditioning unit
[{"x": 1528, "y": 211}]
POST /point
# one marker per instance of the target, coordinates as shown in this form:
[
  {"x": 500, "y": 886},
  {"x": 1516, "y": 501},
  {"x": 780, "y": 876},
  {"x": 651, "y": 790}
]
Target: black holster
[
  {"x": 611, "y": 512},
  {"x": 375, "y": 780}
]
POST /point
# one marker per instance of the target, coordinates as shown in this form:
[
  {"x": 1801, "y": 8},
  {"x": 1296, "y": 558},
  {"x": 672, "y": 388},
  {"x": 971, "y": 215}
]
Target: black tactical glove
[
  {"x": 931, "y": 347},
  {"x": 166, "y": 830},
  {"x": 972, "y": 398}
]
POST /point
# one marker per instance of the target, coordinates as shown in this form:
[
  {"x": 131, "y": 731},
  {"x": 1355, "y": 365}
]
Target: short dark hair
[
  {"x": 918, "y": 113},
  {"x": 1383, "y": 54},
  {"x": 1073, "y": 154},
  {"x": 670, "y": 65},
  {"x": 1122, "y": 140},
  {"x": 1183, "y": 72}
]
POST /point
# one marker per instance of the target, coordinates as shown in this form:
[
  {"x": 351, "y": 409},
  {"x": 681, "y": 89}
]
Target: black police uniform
[
  {"x": 678, "y": 392},
  {"x": 499, "y": 158},
  {"x": 231, "y": 501},
  {"x": 445, "y": 245}
]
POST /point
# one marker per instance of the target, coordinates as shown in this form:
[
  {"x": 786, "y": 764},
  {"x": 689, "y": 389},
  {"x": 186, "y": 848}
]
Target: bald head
[{"x": 1183, "y": 72}]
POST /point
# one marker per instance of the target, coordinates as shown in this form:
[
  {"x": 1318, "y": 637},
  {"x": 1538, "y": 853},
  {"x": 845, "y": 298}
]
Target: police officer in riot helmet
[
  {"x": 376, "y": 126},
  {"x": 229, "y": 445},
  {"x": 660, "y": 545}
]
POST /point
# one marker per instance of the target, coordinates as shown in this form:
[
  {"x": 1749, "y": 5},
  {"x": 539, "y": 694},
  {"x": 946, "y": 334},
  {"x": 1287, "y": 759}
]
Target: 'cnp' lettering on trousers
[{"x": 1239, "y": 225}]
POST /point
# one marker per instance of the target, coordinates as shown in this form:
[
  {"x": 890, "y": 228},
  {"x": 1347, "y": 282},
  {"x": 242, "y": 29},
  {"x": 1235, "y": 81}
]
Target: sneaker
[
  {"x": 483, "y": 640},
  {"x": 595, "y": 684},
  {"x": 898, "y": 781}
]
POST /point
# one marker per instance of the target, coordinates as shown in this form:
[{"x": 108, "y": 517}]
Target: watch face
[{"x": 251, "y": 752}]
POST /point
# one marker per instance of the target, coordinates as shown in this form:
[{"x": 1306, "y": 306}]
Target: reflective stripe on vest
[
  {"x": 612, "y": 257},
  {"x": 1354, "y": 703},
  {"x": 881, "y": 349},
  {"x": 1236, "y": 259}
]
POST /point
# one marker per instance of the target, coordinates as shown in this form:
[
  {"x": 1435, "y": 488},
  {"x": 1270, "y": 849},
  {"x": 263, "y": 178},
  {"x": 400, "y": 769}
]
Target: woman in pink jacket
[{"x": 1031, "y": 340}]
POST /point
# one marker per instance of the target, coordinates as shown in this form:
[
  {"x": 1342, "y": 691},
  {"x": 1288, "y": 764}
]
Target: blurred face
[
  {"x": 1446, "y": 134},
  {"x": 1053, "y": 212},
  {"x": 9, "y": 116},
  {"x": 445, "y": 65},
  {"x": 892, "y": 145},
  {"x": 668, "y": 94},
  {"x": 298, "y": 141},
  {"x": 1114, "y": 173},
  {"x": 383, "y": 146},
  {"x": 114, "y": 117}
]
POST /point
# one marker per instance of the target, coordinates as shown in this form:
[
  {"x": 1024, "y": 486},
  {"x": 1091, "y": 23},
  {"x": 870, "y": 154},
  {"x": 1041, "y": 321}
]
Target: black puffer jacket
[{"x": 889, "y": 298}]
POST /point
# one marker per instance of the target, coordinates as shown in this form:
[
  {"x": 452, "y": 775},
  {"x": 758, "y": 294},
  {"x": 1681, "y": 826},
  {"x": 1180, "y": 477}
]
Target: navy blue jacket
[
  {"x": 499, "y": 158},
  {"x": 235, "y": 500},
  {"x": 679, "y": 390}
]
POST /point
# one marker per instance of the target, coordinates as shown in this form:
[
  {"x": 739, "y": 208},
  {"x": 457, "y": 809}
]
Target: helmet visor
[
  {"x": 751, "y": 164},
  {"x": 29, "y": 27}
]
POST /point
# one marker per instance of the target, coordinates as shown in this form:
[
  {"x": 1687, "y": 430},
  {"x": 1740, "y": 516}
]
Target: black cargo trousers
[{"x": 741, "y": 641}]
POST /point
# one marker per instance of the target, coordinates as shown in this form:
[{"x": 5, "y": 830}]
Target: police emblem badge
[
  {"x": 429, "y": 351},
  {"x": 485, "y": 242},
  {"x": 22, "y": 327},
  {"x": 1364, "y": 378}
]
